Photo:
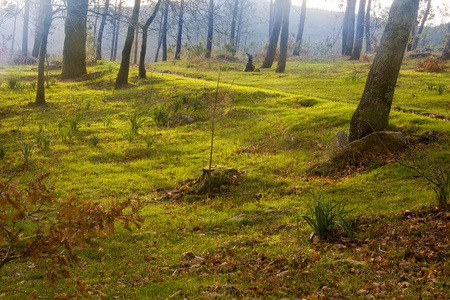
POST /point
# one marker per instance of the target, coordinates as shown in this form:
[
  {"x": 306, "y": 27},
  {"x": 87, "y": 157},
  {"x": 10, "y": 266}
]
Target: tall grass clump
[{"x": 161, "y": 115}]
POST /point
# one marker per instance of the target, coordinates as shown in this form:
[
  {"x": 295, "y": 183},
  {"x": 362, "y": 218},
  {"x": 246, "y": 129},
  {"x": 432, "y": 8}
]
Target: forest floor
[{"x": 243, "y": 236}]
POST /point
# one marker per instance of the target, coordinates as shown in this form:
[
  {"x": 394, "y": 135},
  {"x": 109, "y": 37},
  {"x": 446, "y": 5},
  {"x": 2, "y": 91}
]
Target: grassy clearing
[{"x": 272, "y": 128}]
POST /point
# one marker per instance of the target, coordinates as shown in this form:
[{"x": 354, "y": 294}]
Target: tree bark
[
  {"x": 356, "y": 53},
  {"x": 372, "y": 113},
  {"x": 348, "y": 29},
  {"x": 180, "y": 30},
  {"x": 367, "y": 28},
  {"x": 210, "y": 29},
  {"x": 273, "y": 38},
  {"x": 301, "y": 26},
  {"x": 446, "y": 52},
  {"x": 98, "y": 54},
  {"x": 46, "y": 9},
  {"x": 164, "y": 33},
  {"x": 271, "y": 16},
  {"x": 122, "y": 76},
  {"x": 284, "y": 37},
  {"x": 38, "y": 35},
  {"x": 142, "y": 72},
  {"x": 413, "y": 32},
  {"x": 74, "y": 51},
  {"x": 422, "y": 25},
  {"x": 26, "y": 18},
  {"x": 233, "y": 26},
  {"x": 116, "y": 32}
]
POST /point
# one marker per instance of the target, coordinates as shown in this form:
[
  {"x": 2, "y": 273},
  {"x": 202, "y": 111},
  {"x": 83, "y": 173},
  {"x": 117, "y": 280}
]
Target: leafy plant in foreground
[
  {"x": 135, "y": 123},
  {"x": 60, "y": 225},
  {"x": 94, "y": 139},
  {"x": 430, "y": 86},
  {"x": 161, "y": 115},
  {"x": 441, "y": 87},
  {"x": 43, "y": 137},
  {"x": 27, "y": 150},
  {"x": 323, "y": 216}
]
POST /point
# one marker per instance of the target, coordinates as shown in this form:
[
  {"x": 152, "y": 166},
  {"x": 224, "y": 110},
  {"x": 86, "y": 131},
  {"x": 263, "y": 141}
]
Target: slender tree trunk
[
  {"x": 373, "y": 111},
  {"x": 142, "y": 72},
  {"x": 284, "y": 37},
  {"x": 96, "y": 10},
  {"x": 367, "y": 28},
  {"x": 349, "y": 28},
  {"x": 413, "y": 32},
  {"x": 301, "y": 26},
  {"x": 356, "y": 53},
  {"x": 13, "y": 35},
  {"x": 122, "y": 76},
  {"x": 136, "y": 45},
  {"x": 446, "y": 52},
  {"x": 74, "y": 51},
  {"x": 273, "y": 39},
  {"x": 98, "y": 54},
  {"x": 38, "y": 35},
  {"x": 239, "y": 27},
  {"x": 422, "y": 25},
  {"x": 210, "y": 29},
  {"x": 159, "y": 39},
  {"x": 164, "y": 33},
  {"x": 180, "y": 30},
  {"x": 271, "y": 16},
  {"x": 116, "y": 40},
  {"x": 113, "y": 31},
  {"x": 26, "y": 18},
  {"x": 233, "y": 26},
  {"x": 46, "y": 9}
]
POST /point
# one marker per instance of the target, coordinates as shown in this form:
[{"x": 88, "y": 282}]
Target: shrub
[
  {"x": 94, "y": 139},
  {"x": 432, "y": 64},
  {"x": 323, "y": 216},
  {"x": 441, "y": 87},
  {"x": 13, "y": 82}
]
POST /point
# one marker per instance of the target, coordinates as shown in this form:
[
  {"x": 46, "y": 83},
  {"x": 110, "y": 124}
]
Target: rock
[
  {"x": 189, "y": 119},
  {"x": 411, "y": 130},
  {"x": 381, "y": 142},
  {"x": 235, "y": 218},
  {"x": 339, "y": 140}
]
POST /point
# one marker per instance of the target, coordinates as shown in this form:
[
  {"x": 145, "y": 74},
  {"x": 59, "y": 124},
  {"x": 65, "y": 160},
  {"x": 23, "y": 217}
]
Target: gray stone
[
  {"x": 339, "y": 140},
  {"x": 189, "y": 119},
  {"x": 380, "y": 142}
]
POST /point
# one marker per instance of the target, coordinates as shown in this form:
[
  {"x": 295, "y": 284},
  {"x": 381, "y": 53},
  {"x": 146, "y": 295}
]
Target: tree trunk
[
  {"x": 136, "y": 44},
  {"x": 180, "y": 30},
  {"x": 26, "y": 18},
  {"x": 142, "y": 72},
  {"x": 13, "y": 35},
  {"x": 74, "y": 51},
  {"x": 373, "y": 110},
  {"x": 239, "y": 28},
  {"x": 446, "y": 53},
  {"x": 38, "y": 35},
  {"x": 284, "y": 37},
  {"x": 271, "y": 16},
  {"x": 113, "y": 31},
  {"x": 367, "y": 28},
  {"x": 348, "y": 28},
  {"x": 233, "y": 26},
  {"x": 164, "y": 33},
  {"x": 98, "y": 54},
  {"x": 273, "y": 39},
  {"x": 210, "y": 29},
  {"x": 116, "y": 39},
  {"x": 422, "y": 25},
  {"x": 301, "y": 26},
  {"x": 413, "y": 32},
  {"x": 356, "y": 53},
  {"x": 46, "y": 9},
  {"x": 122, "y": 76}
]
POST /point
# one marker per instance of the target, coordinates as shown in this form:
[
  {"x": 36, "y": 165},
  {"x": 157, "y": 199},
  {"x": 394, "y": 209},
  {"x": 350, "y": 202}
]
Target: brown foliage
[
  {"x": 432, "y": 65},
  {"x": 60, "y": 225}
]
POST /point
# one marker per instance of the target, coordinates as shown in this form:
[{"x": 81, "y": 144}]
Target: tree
[
  {"x": 273, "y": 38},
  {"x": 367, "y": 28},
  {"x": 122, "y": 76},
  {"x": 422, "y": 25},
  {"x": 348, "y": 28},
  {"x": 98, "y": 53},
  {"x": 26, "y": 18},
  {"x": 142, "y": 72},
  {"x": 372, "y": 113},
  {"x": 164, "y": 30},
  {"x": 233, "y": 26},
  {"x": 413, "y": 32},
  {"x": 301, "y": 26},
  {"x": 210, "y": 29},
  {"x": 116, "y": 28},
  {"x": 74, "y": 51},
  {"x": 446, "y": 52},
  {"x": 284, "y": 38},
  {"x": 38, "y": 35},
  {"x": 46, "y": 11},
  {"x": 356, "y": 53},
  {"x": 180, "y": 30}
]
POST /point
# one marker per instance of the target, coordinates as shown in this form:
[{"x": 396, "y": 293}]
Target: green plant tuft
[
  {"x": 441, "y": 87},
  {"x": 161, "y": 115}
]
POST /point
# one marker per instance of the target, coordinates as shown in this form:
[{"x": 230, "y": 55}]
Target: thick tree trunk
[
  {"x": 122, "y": 76},
  {"x": 373, "y": 111},
  {"x": 98, "y": 53},
  {"x": 46, "y": 9},
  {"x": 422, "y": 25},
  {"x": 356, "y": 53},
  {"x": 348, "y": 28},
  {"x": 210, "y": 29},
  {"x": 284, "y": 37},
  {"x": 367, "y": 28},
  {"x": 26, "y": 18},
  {"x": 38, "y": 35},
  {"x": 274, "y": 35},
  {"x": 446, "y": 53},
  {"x": 301, "y": 26},
  {"x": 74, "y": 51},
  {"x": 142, "y": 72},
  {"x": 180, "y": 30},
  {"x": 233, "y": 26},
  {"x": 164, "y": 33}
]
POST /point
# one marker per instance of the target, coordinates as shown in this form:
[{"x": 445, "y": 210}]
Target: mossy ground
[{"x": 270, "y": 127}]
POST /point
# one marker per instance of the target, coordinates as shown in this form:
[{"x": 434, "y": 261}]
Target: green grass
[{"x": 271, "y": 127}]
